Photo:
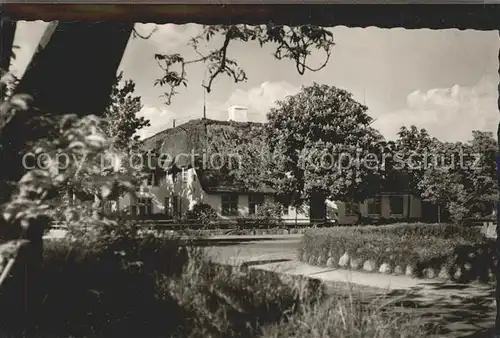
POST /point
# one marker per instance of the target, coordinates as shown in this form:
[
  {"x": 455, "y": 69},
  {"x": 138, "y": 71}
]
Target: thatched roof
[{"x": 189, "y": 141}]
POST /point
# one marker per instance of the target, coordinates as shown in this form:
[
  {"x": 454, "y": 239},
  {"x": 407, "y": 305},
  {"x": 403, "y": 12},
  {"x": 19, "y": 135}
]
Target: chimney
[
  {"x": 238, "y": 114},
  {"x": 173, "y": 123}
]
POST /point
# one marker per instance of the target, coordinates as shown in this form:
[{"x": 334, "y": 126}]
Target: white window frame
[
  {"x": 184, "y": 175},
  {"x": 146, "y": 204},
  {"x": 232, "y": 200}
]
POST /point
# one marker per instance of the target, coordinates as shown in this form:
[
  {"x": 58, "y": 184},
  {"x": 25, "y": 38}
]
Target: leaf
[
  {"x": 76, "y": 144},
  {"x": 20, "y": 101},
  {"x": 25, "y": 223},
  {"x": 96, "y": 140}
]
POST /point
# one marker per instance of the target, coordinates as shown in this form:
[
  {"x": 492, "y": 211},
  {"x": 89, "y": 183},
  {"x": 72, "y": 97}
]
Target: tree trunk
[
  {"x": 49, "y": 78},
  {"x": 497, "y": 320},
  {"x": 21, "y": 293},
  {"x": 439, "y": 213}
]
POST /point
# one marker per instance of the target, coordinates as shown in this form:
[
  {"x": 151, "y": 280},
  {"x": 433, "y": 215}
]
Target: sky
[{"x": 442, "y": 80}]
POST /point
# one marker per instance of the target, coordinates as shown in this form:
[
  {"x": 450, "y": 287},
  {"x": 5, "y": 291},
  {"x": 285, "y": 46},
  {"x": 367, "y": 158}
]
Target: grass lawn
[{"x": 151, "y": 287}]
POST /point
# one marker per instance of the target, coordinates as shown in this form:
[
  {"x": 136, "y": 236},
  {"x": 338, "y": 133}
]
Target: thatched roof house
[{"x": 184, "y": 145}]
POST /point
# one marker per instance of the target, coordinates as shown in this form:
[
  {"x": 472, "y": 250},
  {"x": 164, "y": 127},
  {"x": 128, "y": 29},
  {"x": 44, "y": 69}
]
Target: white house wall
[
  {"x": 300, "y": 215},
  {"x": 192, "y": 193},
  {"x": 214, "y": 200}
]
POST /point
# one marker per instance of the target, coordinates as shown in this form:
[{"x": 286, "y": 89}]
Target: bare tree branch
[
  {"x": 294, "y": 43},
  {"x": 136, "y": 34}
]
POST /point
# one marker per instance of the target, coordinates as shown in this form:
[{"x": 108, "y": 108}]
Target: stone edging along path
[
  {"x": 445, "y": 273},
  {"x": 249, "y": 232}
]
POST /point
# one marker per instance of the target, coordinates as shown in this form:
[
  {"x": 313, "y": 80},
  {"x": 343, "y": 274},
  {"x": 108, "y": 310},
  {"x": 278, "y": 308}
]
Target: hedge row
[{"x": 446, "y": 252}]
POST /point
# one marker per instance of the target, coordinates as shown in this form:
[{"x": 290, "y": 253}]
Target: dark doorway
[{"x": 317, "y": 211}]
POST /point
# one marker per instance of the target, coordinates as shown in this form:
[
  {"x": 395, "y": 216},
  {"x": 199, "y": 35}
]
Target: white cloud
[
  {"x": 447, "y": 113},
  {"x": 259, "y": 100},
  {"x": 160, "y": 119}
]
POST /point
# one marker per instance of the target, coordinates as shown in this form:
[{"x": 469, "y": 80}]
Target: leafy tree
[
  {"x": 482, "y": 175},
  {"x": 33, "y": 198},
  {"x": 408, "y": 164},
  {"x": 119, "y": 125},
  {"x": 294, "y": 43},
  {"x": 321, "y": 139},
  {"x": 320, "y": 124},
  {"x": 246, "y": 155},
  {"x": 121, "y": 122},
  {"x": 413, "y": 147},
  {"x": 462, "y": 176}
]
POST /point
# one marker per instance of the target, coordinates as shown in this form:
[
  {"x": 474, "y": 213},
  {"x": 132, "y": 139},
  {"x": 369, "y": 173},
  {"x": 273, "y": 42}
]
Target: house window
[
  {"x": 184, "y": 174},
  {"x": 351, "y": 209},
  {"x": 145, "y": 206},
  {"x": 152, "y": 180},
  {"x": 285, "y": 209},
  {"x": 374, "y": 206},
  {"x": 229, "y": 205},
  {"x": 108, "y": 206},
  {"x": 253, "y": 201},
  {"x": 176, "y": 205},
  {"x": 396, "y": 205}
]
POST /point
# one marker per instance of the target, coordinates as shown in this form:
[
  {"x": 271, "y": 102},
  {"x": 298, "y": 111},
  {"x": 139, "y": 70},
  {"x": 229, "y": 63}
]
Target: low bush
[
  {"x": 221, "y": 302},
  {"x": 92, "y": 297},
  {"x": 108, "y": 293},
  {"x": 202, "y": 213},
  {"x": 419, "y": 250},
  {"x": 345, "y": 317}
]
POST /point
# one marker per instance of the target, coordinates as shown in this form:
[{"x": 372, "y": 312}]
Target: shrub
[
  {"x": 116, "y": 283},
  {"x": 343, "y": 317},
  {"x": 417, "y": 245},
  {"x": 220, "y": 302},
  {"x": 269, "y": 214},
  {"x": 99, "y": 292},
  {"x": 203, "y": 213},
  {"x": 109, "y": 289}
]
